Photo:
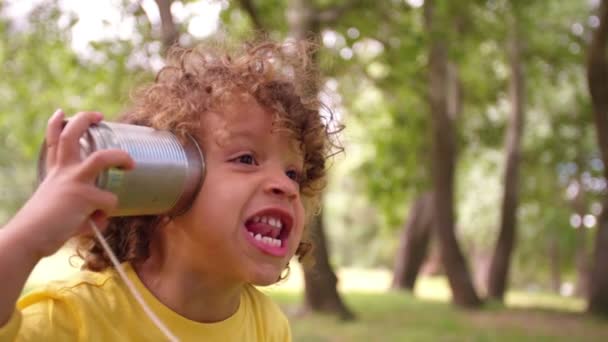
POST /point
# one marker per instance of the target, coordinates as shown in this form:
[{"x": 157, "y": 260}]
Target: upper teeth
[{"x": 272, "y": 221}]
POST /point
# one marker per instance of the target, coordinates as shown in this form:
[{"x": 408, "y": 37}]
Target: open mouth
[{"x": 269, "y": 230}]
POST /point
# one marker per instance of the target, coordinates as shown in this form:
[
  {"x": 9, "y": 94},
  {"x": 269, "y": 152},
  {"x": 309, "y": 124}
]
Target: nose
[{"x": 278, "y": 184}]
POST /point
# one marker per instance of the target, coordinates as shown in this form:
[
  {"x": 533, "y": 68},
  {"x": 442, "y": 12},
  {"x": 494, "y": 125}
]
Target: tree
[
  {"x": 413, "y": 243},
  {"x": 443, "y": 156},
  {"x": 40, "y": 73},
  {"x": 597, "y": 74},
  {"x": 501, "y": 260},
  {"x": 169, "y": 31},
  {"x": 321, "y": 294},
  {"x": 320, "y": 282}
]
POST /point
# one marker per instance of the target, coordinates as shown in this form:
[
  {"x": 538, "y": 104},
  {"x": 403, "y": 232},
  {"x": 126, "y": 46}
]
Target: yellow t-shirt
[{"x": 98, "y": 307}]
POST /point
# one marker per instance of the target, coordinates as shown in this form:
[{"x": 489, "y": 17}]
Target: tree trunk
[
  {"x": 481, "y": 259},
  {"x": 320, "y": 285},
  {"x": 320, "y": 281},
  {"x": 597, "y": 74},
  {"x": 433, "y": 266},
  {"x": 413, "y": 243},
  {"x": 321, "y": 293},
  {"x": 249, "y": 7},
  {"x": 501, "y": 260},
  {"x": 169, "y": 33},
  {"x": 443, "y": 165}
]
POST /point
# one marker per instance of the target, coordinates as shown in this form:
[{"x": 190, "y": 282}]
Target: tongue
[{"x": 263, "y": 229}]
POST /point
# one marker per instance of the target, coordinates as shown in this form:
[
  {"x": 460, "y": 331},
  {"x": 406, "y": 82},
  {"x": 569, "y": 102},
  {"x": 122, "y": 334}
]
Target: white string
[{"x": 165, "y": 330}]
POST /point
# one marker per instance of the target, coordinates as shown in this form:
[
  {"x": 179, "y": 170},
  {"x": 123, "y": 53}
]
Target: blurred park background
[{"x": 470, "y": 203}]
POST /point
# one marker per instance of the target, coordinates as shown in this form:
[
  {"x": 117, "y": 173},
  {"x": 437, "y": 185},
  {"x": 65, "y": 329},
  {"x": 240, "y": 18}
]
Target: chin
[
  {"x": 265, "y": 278},
  {"x": 266, "y": 282}
]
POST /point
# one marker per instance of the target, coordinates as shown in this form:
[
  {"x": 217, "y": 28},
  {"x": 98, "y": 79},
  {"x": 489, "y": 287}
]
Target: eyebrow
[
  {"x": 242, "y": 133},
  {"x": 239, "y": 136},
  {"x": 249, "y": 135},
  {"x": 225, "y": 136}
]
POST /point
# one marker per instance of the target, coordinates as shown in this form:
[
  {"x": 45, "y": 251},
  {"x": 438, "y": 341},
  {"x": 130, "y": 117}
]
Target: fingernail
[{"x": 98, "y": 116}]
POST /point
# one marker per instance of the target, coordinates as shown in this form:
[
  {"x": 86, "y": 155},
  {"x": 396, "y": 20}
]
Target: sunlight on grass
[
  {"x": 384, "y": 315},
  {"x": 427, "y": 288},
  {"x": 544, "y": 300},
  {"x": 397, "y": 316},
  {"x": 350, "y": 280},
  {"x": 428, "y": 316}
]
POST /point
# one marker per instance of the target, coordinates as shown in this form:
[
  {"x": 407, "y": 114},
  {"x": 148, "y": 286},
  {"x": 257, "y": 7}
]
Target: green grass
[{"x": 396, "y": 316}]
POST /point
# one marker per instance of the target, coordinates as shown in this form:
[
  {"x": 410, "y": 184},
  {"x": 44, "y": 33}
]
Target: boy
[{"x": 265, "y": 147}]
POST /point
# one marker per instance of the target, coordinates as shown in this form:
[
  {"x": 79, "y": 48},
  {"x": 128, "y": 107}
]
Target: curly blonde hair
[{"x": 195, "y": 81}]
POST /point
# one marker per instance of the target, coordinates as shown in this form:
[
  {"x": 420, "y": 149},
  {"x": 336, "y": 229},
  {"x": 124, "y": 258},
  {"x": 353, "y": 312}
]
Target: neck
[{"x": 172, "y": 278}]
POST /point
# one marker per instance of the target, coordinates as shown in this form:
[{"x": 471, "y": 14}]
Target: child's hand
[{"x": 68, "y": 197}]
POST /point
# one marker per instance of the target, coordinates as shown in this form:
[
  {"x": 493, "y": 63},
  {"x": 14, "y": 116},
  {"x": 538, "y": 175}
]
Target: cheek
[
  {"x": 215, "y": 205},
  {"x": 218, "y": 188},
  {"x": 299, "y": 226}
]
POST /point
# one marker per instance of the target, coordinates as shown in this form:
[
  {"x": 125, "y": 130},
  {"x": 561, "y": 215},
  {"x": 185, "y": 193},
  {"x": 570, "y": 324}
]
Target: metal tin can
[{"x": 167, "y": 173}]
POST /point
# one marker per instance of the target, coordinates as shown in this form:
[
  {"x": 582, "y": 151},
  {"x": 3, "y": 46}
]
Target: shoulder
[
  {"x": 86, "y": 292},
  {"x": 79, "y": 280},
  {"x": 62, "y": 309},
  {"x": 268, "y": 315}
]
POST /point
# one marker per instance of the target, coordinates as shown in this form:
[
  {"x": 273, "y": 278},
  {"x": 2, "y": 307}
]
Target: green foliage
[
  {"x": 39, "y": 73},
  {"x": 374, "y": 56},
  {"x": 377, "y": 54},
  {"x": 557, "y": 117}
]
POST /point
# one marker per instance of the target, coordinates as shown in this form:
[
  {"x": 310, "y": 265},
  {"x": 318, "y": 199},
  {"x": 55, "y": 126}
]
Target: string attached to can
[
  {"x": 121, "y": 272},
  {"x": 160, "y": 155}
]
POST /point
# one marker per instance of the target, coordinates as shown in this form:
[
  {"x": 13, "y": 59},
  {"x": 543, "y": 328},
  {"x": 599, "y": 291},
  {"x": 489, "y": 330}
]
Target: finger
[
  {"x": 69, "y": 148},
  {"x": 100, "y": 200},
  {"x": 105, "y": 159},
  {"x": 100, "y": 204},
  {"x": 100, "y": 218},
  {"x": 53, "y": 130}
]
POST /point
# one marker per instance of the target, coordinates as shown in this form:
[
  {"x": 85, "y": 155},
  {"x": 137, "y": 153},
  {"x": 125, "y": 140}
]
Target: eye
[
  {"x": 245, "y": 159},
  {"x": 294, "y": 175}
]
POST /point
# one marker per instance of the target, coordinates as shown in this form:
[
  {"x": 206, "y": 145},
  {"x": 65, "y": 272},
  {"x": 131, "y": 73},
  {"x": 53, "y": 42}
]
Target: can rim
[{"x": 194, "y": 179}]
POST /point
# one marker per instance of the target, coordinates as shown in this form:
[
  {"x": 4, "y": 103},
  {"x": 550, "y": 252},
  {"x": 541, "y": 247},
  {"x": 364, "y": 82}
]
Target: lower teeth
[{"x": 267, "y": 240}]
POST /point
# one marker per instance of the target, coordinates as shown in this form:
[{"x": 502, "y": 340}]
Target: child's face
[{"x": 250, "y": 188}]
